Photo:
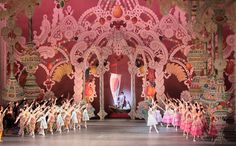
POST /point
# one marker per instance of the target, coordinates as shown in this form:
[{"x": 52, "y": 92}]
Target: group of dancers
[
  {"x": 189, "y": 117},
  {"x": 48, "y": 116}
]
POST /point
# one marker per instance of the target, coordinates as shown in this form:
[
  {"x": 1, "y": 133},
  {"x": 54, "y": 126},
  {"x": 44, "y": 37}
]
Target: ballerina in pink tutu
[
  {"x": 183, "y": 111},
  {"x": 212, "y": 128},
  {"x": 188, "y": 122},
  {"x": 167, "y": 118},
  {"x": 176, "y": 117},
  {"x": 197, "y": 125}
]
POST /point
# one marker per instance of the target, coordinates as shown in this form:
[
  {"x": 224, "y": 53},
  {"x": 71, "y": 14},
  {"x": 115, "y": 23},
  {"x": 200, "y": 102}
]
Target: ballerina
[
  {"x": 23, "y": 119},
  {"x": 176, "y": 116},
  {"x": 188, "y": 122},
  {"x": 51, "y": 120},
  {"x": 42, "y": 120},
  {"x": 51, "y": 117},
  {"x": 60, "y": 121},
  {"x": 183, "y": 110},
  {"x": 151, "y": 119},
  {"x": 2, "y": 114},
  {"x": 74, "y": 118},
  {"x": 85, "y": 115},
  {"x": 32, "y": 121},
  {"x": 157, "y": 112},
  {"x": 167, "y": 118},
  {"x": 212, "y": 128},
  {"x": 196, "y": 129},
  {"x": 79, "y": 116},
  {"x": 67, "y": 118}
]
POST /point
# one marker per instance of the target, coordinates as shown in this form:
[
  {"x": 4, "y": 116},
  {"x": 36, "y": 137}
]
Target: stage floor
[{"x": 109, "y": 133}]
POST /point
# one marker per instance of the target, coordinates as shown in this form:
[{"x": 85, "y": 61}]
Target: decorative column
[
  {"x": 102, "y": 112},
  {"x": 132, "y": 71},
  {"x": 219, "y": 18},
  {"x": 79, "y": 83},
  {"x": 159, "y": 80},
  {"x": 3, "y": 60},
  {"x": 11, "y": 34},
  {"x": 30, "y": 60}
]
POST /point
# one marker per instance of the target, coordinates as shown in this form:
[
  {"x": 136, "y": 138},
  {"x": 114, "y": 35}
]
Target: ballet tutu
[
  {"x": 167, "y": 118},
  {"x": 74, "y": 120},
  {"x": 43, "y": 124},
  {"x": 187, "y": 126},
  {"x": 74, "y": 117},
  {"x": 182, "y": 124},
  {"x": 176, "y": 119},
  {"x": 158, "y": 116},
  {"x": 85, "y": 115},
  {"x": 51, "y": 119},
  {"x": 212, "y": 131},
  {"x": 60, "y": 121},
  {"x": 151, "y": 120},
  {"x": 196, "y": 129}
]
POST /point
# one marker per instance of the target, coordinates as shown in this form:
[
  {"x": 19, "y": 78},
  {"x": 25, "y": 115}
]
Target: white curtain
[{"x": 115, "y": 81}]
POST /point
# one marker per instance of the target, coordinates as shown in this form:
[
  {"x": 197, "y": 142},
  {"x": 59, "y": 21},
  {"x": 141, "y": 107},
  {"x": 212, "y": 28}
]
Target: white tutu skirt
[
  {"x": 74, "y": 118},
  {"x": 60, "y": 121},
  {"x": 151, "y": 120},
  {"x": 85, "y": 115}
]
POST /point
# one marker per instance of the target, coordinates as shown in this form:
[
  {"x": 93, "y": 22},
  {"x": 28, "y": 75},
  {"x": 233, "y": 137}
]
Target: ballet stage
[{"x": 111, "y": 133}]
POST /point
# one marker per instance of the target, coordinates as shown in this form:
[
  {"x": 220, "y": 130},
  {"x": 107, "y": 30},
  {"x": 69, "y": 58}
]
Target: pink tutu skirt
[
  {"x": 187, "y": 126},
  {"x": 167, "y": 118},
  {"x": 196, "y": 129},
  {"x": 212, "y": 131},
  {"x": 176, "y": 119},
  {"x": 182, "y": 124}
]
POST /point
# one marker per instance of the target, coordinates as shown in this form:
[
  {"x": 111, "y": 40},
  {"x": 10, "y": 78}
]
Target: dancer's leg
[
  {"x": 187, "y": 135},
  {"x": 150, "y": 129},
  {"x": 1, "y": 135},
  {"x": 85, "y": 124},
  {"x": 156, "y": 129}
]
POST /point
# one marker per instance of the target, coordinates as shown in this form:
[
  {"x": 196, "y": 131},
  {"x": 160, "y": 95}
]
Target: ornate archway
[{"x": 121, "y": 27}]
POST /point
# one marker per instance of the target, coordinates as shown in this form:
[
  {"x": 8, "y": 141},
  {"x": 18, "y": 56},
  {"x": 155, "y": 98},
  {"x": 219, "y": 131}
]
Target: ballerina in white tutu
[{"x": 152, "y": 119}]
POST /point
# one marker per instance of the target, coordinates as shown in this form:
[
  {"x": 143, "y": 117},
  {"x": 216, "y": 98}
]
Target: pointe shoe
[
  {"x": 157, "y": 131},
  {"x": 194, "y": 140}
]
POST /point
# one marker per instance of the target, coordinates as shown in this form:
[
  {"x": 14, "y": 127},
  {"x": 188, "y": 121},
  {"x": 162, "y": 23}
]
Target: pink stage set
[{"x": 121, "y": 58}]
